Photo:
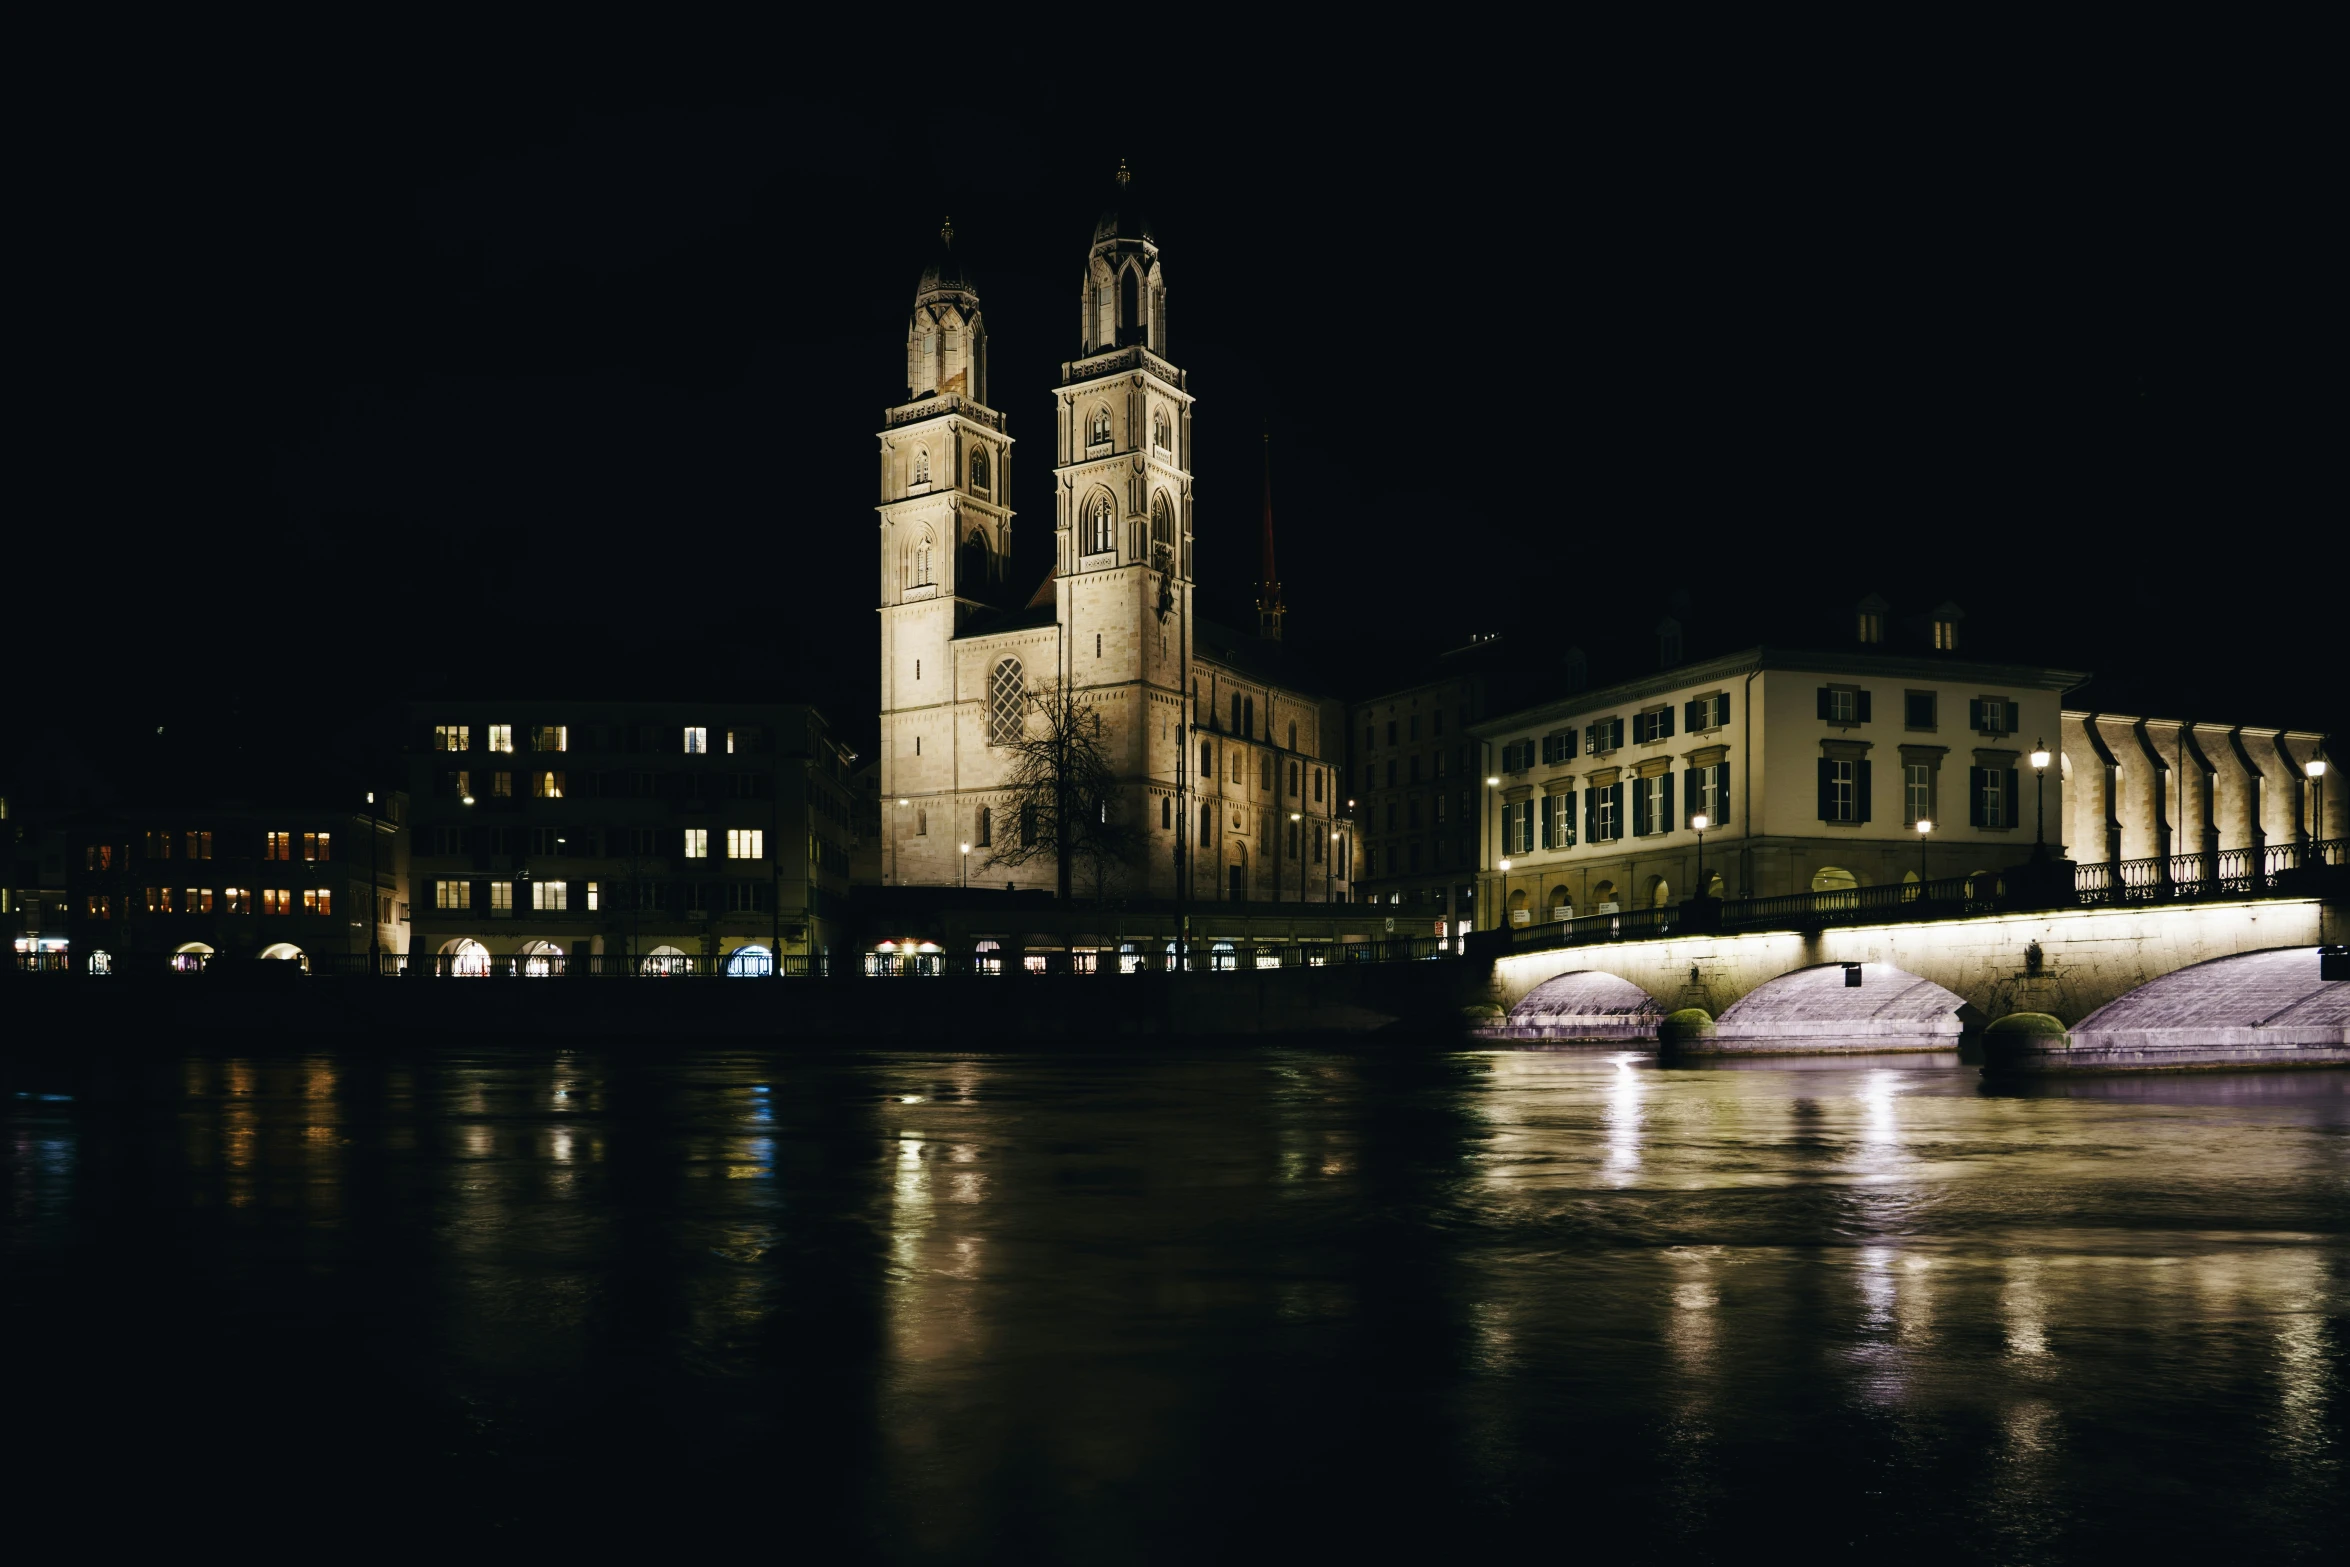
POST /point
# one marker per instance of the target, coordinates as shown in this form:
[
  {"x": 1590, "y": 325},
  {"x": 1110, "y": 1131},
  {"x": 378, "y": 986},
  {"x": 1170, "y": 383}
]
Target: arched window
[
  {"x": 979, "y": 476},
  {"x": 1097, "y": 428},
  {"x": 1207, "y": 766},
  {"x": 1249, "y": 727},
  {"x": 921, "y": 465},
  {"x": 1236, "y": 729},
  {"x": 1162, "y": 520},
  {"x": 922, "y": 561},
  {"x": 1159, "y": 430},
  {"x": 1317, "y": 786},
  {"x": 1166, "y": 810},
  {"x": 1101, "y": 527},
  {"x": 983, "y": 829},
  {"x": 1293, "y": 740},
  {"x": 1006, "y": 699},
  {"x": 1207, "y": 824},
  {"x": 1129, "y": 301},
  {"x": 1027, "y": 824}
]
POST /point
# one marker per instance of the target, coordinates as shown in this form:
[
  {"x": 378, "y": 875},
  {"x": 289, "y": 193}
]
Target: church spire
[{"x": 1270, "y": 609}]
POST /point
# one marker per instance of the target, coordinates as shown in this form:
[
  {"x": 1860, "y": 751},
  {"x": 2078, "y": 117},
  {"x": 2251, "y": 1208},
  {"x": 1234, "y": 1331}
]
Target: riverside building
[{"x": 633, "y": 833}]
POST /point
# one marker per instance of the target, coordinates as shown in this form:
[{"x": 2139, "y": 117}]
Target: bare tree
[{"x": 1064, "y": 793}]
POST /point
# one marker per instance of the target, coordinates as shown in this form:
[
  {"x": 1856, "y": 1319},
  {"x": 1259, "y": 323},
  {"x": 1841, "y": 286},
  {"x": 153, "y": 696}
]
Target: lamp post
[
  {"x": 1485, "y": 818},
  {"x": 2315, "y": 767},
  {"x": 1924, "y": 827},
  {"x": 1295, "y": 816},
  {"x": 963, "y": 867},
  {"x": 375, "y": 929},
  {"x": 1699, "y": 823},
  {"x": 2040, "y": 799}
]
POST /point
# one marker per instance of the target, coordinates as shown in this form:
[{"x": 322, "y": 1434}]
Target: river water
[{"x": 1174, "y": 1307}]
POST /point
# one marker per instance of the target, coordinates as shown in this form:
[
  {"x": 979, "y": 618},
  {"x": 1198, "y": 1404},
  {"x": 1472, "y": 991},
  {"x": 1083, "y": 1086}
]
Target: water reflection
[{"x": 1128, "y": 1307}]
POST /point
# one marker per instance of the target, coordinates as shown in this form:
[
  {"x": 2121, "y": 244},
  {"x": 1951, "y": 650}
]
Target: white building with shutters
[{"x": 1227, "y": 760}]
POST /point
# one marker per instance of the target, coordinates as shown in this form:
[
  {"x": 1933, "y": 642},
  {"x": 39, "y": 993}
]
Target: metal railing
[{"x": 2284, "y": 870}]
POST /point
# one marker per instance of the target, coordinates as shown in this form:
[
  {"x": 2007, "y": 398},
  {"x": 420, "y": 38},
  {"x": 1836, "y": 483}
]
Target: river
[{"x": 1173, "y": 1306}]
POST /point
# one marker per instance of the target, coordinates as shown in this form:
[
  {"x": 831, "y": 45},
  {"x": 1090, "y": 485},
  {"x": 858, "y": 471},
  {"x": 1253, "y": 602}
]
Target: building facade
[
  {"x": 1813, "y": 771},
  {"x": 1225, "y": 762},
  {"x": 180, "y": 887},
  {"x": 638, "y": 833}
]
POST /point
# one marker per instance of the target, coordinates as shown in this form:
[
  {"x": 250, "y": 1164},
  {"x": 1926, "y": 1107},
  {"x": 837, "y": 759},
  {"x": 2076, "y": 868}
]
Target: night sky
[{"x": 482, "y": 365}]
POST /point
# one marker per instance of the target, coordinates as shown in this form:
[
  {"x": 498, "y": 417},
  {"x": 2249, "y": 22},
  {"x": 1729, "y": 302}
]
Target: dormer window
[
  {"x": 1872, "y": 626},
  {"x": 1946, "y": 636}
]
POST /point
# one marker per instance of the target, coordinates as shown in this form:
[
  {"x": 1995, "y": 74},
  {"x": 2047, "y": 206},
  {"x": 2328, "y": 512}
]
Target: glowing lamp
[
  {"x": 1925, "y": 826},
  {"x": 1699, "y": 822},
  {"x": 1493, "y": 783},
  {"x": 1505, "y": 865},
  {"x": 2315, "y": 767},
  {"x": 469, "y": 799},
  {"x": 2039, "y": 754}
]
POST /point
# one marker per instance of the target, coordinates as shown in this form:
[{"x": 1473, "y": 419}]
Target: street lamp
[
  {"x": 1700, "y": 824},
  {"x": 1924, "y": 827},
  {"x": 963, "y": 872},
  {"x": 2040, "y": 799},
  {"x": 1295, "y": 816},
  {"x": 2315, "y": 767}
]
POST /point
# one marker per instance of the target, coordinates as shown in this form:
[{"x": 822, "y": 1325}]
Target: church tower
[
  {"x": 1123, "y": 499},
  {"x": 946, "y": 532}
]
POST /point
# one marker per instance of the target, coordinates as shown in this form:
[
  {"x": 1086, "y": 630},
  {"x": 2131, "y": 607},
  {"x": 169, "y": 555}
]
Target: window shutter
[
  {"x": 1567, "y": 819},
  {"x": 1665, "y": 719},
  {"x": 1567, "y": 739},
  {"x": 1827, "y": 791},
  {"x": 1616, "y": 796},
  {"x": 1860, "y": 791},
  {"x": 1664, "y": 812},
  {"x": 1545, "y": 826},
  {"x": 1974, "y": 714},
  {"x": 1864, "y": 707},
  {"x": 2015, "y": 799},
  {"x": 2015, "y": 718},
  {"x": 1974, "y": 794},
  {"x": 1722, "y": 790},
  {"x": 1823, "y": 702},
  {"x": 1591, "y": 816},
  {"x": 1722, "y": 708},
  {"x": 1639, "y": 807}
]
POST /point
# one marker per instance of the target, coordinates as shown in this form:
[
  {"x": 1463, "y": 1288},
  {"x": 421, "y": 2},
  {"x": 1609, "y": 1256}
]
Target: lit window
[
  {"x": 159, "y": 846},
  {"x": 501, "y": 737},
  {"x": 159, "y": 900},
  {"x": 1946, "y": 635},
  {"x": 1872, "y": 626},
  {"x": 198, "y": 845},
  {"x": 697, "y": 843},
  {"x": 452, "y": 737},
  {"x": 97, "y": 907},
  {"x": 501, "y": 897},
  {"x": 551, "y": 737},
  {"x": 317, "y": 846},
  {"x": 277, "y": 900},
  {"x": 278, "y": 846},
  {"x": 196, "y": 900},
  {"x": 452, "y": 895},
  {"x": 730, "y": 742},
  {"x": 236, "y": 900},
  {"x": 595, "y": 896},
  {"x": 746, "y": 843},
  {"x": 553, "y": 895},
  {"x": 546, "y": 786},
  {"x": 697, "y": 741},
  {"x": 318, "y": 900},
  {"x": 502, "y": 784}
]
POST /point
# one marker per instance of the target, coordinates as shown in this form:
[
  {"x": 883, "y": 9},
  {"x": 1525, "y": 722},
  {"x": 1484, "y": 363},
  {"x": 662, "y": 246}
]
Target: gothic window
[
  {"x": 1159, "y": 431},
  {"x": 983, "y": 829},
  {"x": 1101, "y": 528},
  {"x": 1162, "y": 520},
  {"x": 979, "y": 477},
  {"x": 1097, "y": 428},
  {"x": 1005, "y": 699},
  {"x": 1129, "y": 303},
  {"x": 922, "y": 562},
  {"x": 921, "y": 465},
  {"x": 1207, "y": 763},
  {"x": 1293, "y": 740}
]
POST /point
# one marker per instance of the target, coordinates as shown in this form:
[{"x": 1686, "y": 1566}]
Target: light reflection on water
[{"x": 1099, "y": 1308}]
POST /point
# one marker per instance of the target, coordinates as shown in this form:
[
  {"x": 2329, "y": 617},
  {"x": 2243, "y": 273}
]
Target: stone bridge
[{"x": 1921, "y": 985}]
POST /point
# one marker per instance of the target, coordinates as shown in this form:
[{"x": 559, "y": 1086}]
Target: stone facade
[{"x": 1249, "y": 804}]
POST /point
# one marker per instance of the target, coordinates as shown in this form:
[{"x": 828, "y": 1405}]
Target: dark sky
[{"x": 357, "y": 372}]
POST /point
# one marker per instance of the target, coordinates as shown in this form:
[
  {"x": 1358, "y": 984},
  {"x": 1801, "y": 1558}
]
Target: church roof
[
  {"x": 1256, "y": 657},
  {"x": 945, "y": 273},
  {"x": 1122, "y": 218}
]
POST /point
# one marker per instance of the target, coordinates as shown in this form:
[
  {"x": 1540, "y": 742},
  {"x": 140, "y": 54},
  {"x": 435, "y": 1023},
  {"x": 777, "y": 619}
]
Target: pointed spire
[
  {"x": 1270, "y": 609},
  {"x": 1124, "y": 176}
]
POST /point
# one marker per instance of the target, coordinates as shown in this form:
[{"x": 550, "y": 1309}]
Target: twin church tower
[{"x": 1230, "y": 771}]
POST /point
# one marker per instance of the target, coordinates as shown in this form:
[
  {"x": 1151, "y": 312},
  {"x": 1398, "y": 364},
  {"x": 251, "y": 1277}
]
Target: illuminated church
[{"x": 1233, "y": 775}]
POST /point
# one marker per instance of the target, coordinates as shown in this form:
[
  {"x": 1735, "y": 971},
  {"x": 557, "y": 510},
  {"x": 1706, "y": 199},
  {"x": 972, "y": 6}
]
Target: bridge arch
[
  {"x": 1586, "y": 1004},
  {"x": 2272, "y": 997},
  {"x": 1890, "y": 1009}
]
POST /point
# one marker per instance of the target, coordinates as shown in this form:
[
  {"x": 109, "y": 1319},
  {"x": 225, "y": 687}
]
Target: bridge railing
[{"x": 2271, "y": 871}]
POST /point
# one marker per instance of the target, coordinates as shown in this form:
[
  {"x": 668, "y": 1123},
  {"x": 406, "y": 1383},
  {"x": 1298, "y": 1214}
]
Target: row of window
[
  {"x": 980, "y": 475},
  {"x": 497, "y": 896},
  {"x": 691, "y": 739},
  {"x": 1989, "y": 715},
  {"x": 1411, "y": 729},
  {"x": 1846, "y": 787},
  {"x": 1299, "y": 777},
  {"x": 1603, "y": 735},
  {"x": 1410, "y": 769},
  {"x": 1097, "y": 429},
  {"x": 693, "y": 843},
  {"x": 198, "y": 845},
  {"x": 1646, "y": 804},
  {"x": 219, "y": 900}
]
